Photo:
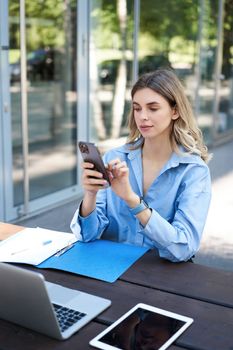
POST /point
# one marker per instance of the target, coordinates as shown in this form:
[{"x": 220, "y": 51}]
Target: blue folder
[{"x": 100, "y": 259}]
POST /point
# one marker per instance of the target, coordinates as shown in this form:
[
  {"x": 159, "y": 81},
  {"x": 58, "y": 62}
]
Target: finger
[
  {"x": 120, "y": 165},
  {"x": 92, "y": 173},
  {"x": 114, "y": 161},
  {"x": 92, "y": 182},
  {"x": 87, "y": 165},
  {"x": 122, "y": 172},
  {"x": 112, "y": 164}
]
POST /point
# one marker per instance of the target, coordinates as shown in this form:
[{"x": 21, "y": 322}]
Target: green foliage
[
  {"x": 45, "y": 22},
  {"x": 14, "y": 56},
  {"x": 165, "y": 26},
  {"x": 165, "y": 18},
  {"x": 105, "y": 26}
]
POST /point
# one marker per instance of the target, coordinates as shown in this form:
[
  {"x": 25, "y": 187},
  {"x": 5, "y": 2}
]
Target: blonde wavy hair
[{"x": 184, "y": 130}]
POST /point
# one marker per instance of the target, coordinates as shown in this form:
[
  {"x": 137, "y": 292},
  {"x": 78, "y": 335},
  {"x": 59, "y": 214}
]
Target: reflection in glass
[
  {"x": 111, "y": 55},
  {"x": 169, "y": 37},
  {"x": 143, "y": 330},
  {"x": 15, "y": 93},
  {"x": 225, "y": 113},
  {"x": 208, "y": 27},
  {"x": 51, "y": 74}
]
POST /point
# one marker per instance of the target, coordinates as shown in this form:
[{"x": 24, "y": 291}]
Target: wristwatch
[{"x": 140, "y": 207}]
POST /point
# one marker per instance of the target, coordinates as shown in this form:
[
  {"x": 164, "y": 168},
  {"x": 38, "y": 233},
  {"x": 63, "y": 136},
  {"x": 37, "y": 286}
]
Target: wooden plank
[
  {"x": 187, "y": 279},
  {"x": 7, "y": 230},
  {"x": 212, "y": 327},
  {"x": 213, "y": 323},
  {"x": 13, "y": 337}
]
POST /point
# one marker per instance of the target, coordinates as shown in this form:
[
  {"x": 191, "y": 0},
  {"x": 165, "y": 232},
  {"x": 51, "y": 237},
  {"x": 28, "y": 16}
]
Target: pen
[
  {"x": 25, "y": 249},
  {"x": 47, "y": 242},
  {"x": 63, "y": 250}
]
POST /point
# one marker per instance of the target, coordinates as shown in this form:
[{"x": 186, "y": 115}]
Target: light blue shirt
[{"x": 179, "y": 198}]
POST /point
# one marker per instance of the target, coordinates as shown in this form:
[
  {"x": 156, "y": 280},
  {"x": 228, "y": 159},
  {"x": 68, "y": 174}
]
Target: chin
[{"x": 150, "y": 137}]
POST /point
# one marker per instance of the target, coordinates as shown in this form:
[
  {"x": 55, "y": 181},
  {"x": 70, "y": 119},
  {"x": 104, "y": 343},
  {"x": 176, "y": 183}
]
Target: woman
[{"x": 160, "y": 183}]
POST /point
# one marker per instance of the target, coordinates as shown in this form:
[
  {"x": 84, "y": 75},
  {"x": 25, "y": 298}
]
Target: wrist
[
  {"x": 88, "y": 203},
  {"x": 133, "y": 200},
  {"x": 139, "y": 207},
  {"x": 90, "y": 194}
]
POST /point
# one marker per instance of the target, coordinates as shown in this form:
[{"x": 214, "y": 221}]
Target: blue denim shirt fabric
[{"x": 179, "y": 198}]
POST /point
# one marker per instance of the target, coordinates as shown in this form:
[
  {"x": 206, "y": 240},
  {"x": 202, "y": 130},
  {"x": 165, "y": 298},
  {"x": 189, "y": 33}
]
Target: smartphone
[{"x": 91, "y": 154}]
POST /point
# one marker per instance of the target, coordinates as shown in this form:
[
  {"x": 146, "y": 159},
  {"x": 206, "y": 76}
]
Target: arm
[
  {"x": 92, "y": 226},
  {"x": 90, "y": 219},
  {"x": 88, "y": 223},
  {"x": 121, "y": 186},
  {"x": 180, "y": 239},
  {"x": 92, "y": 182}
]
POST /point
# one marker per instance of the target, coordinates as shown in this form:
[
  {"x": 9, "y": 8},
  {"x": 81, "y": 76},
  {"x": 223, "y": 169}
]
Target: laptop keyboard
[{"x": 67, "y": 317}]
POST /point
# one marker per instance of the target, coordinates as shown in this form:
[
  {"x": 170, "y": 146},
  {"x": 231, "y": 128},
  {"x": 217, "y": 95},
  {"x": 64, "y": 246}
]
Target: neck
[{"x": 157, "y": 149}]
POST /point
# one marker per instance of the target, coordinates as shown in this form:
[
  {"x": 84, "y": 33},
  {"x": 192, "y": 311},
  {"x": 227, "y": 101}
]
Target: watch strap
[{"x": 140, "y": 207}]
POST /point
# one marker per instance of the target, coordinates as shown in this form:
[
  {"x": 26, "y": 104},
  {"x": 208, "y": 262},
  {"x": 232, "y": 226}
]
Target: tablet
[{"x": 143, "y": 327}]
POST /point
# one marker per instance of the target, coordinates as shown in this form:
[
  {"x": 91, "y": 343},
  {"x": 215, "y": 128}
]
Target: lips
[{"x": 145, "y": 127}]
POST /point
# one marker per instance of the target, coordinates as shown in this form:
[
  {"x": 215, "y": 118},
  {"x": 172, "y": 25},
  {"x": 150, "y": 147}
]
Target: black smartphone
[{"x": 91, "y": 154}]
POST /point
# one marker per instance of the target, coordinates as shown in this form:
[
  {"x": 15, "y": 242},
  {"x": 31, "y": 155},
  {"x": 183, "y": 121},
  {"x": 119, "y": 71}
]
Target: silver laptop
[{"x": 30, "y": 301}]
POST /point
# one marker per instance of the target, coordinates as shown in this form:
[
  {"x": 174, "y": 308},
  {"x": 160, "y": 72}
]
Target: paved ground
[{"x": 217, "y": 243}]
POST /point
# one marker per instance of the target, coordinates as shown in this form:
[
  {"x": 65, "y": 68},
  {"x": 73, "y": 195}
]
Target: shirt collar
[
  {"x": 176, "y": 158},
  {"x": 135, "y": 157},
  {"x": 133, "y": 150}
]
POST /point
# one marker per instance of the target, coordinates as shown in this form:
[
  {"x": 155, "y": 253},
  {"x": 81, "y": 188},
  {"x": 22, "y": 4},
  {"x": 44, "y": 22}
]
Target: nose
[{"x": 144, "y": 115}]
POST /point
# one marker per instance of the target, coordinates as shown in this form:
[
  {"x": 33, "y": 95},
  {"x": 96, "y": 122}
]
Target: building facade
[{"x": 66, "y": 69}]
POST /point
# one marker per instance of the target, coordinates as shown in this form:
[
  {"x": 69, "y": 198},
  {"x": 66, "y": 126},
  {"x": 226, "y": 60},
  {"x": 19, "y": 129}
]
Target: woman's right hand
[{"x": 92, "y": 180}]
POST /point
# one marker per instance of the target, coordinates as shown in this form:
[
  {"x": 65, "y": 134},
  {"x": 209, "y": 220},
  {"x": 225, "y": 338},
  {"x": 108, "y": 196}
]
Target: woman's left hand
[{"x": 119, "y": 177}]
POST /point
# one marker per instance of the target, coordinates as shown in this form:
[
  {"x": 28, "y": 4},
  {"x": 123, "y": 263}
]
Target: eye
[
  {"x": 153, "y": 109},
  {"x": 136, "y": 109}
]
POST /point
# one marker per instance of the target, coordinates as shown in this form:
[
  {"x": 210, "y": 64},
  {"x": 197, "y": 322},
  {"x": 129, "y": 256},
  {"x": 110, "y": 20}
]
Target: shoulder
[
  {"x": 190, "y": 161},
  {"x": 190, "y": 170},
  {"x": 196, "y": 173},
  {"x": 195, "y": 163}
]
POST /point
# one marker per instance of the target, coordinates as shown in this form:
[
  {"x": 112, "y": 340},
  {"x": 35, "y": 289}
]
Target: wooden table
[{"x": 203, "y": 293}]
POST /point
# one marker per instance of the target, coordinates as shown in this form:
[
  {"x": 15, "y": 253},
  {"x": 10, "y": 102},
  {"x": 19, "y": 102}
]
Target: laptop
[{"x": 28, "y": 300}]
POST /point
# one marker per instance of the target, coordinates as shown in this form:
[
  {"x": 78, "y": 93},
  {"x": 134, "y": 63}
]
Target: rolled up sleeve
[{"x": 92, "y": 226}]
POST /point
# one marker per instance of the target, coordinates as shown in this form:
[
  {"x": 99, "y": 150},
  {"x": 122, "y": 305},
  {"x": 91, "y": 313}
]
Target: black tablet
[{"x": 143, "y": 327}]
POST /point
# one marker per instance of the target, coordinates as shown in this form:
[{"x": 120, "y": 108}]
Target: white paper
[{"x": 34, "y": 245}]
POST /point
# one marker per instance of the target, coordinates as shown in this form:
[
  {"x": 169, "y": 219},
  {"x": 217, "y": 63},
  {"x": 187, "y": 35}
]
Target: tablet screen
[{"x": 145, "y": 327}]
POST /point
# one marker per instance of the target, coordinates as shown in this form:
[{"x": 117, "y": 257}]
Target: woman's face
[{"x": 152, "y": 113}]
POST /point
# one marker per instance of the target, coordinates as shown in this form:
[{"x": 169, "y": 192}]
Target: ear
[{"x": 175, "y": 114}]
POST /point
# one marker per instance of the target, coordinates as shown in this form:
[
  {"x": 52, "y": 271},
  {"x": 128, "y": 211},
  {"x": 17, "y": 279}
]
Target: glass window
[
  {"x": 111, "y": 66},
  {"x": 225, "y": 114},
  {"x": 51, "y": 34},
  {"x": 168, "y": 38},
  {"x": 208, "y": 45},
  {"x": 15, "y": 93},
  {"x": 170, "y": 33}
]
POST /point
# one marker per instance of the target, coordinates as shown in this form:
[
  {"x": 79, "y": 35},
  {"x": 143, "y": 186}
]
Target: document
[
  {"x": 34, "y": 245},
  {"x": 100, "y": 259}
]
